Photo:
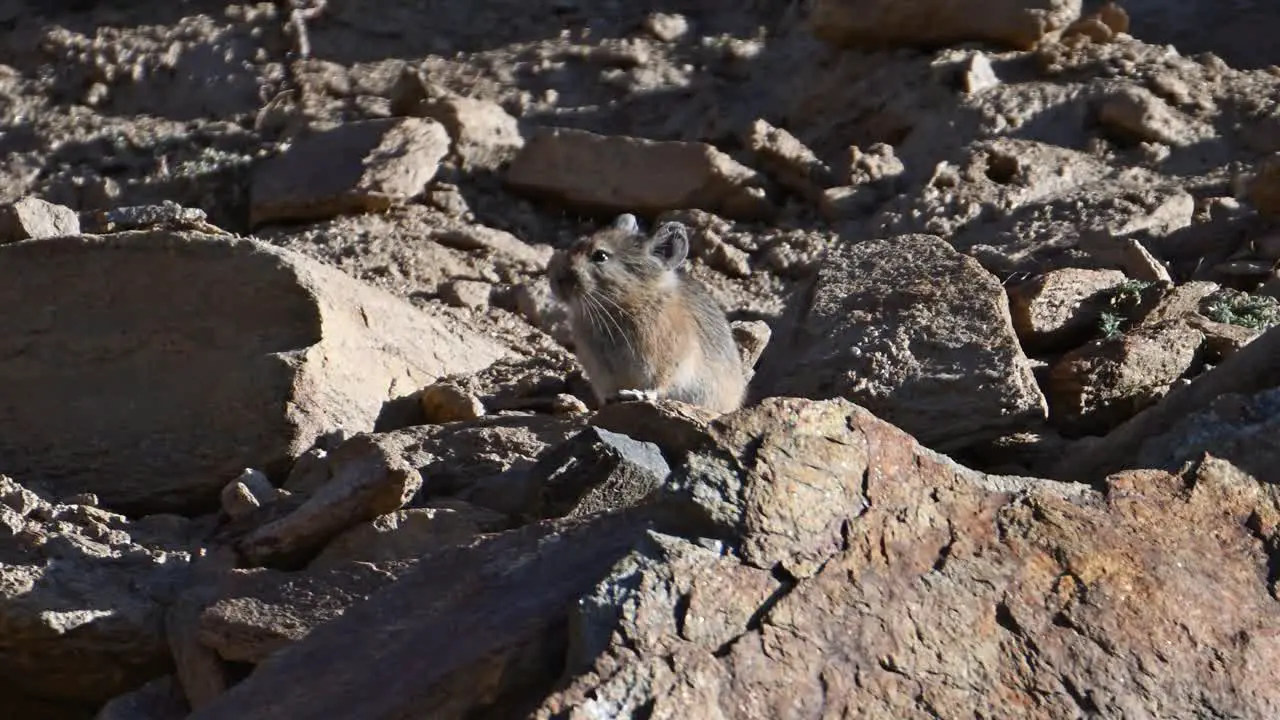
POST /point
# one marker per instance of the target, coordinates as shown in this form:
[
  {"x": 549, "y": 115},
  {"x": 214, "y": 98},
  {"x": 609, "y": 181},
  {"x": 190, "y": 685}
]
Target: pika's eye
[{"x": 599, "y": 256}]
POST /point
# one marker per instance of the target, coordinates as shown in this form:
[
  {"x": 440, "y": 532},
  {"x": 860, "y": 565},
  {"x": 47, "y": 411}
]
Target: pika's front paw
[{"x": 648, "y": 396}]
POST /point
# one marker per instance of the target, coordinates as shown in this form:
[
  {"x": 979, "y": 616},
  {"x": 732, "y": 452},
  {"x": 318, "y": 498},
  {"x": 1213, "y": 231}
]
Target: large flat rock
[
  {"x": 915, "y": 332},
  {"x": 152, "y": 367},
  {"x": 616, "y": 173}
]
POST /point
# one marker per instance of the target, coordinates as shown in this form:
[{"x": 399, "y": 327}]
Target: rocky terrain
[{"x": 292, "y": 428}]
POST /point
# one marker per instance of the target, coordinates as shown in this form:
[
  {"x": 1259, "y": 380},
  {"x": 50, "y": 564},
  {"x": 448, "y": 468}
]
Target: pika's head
[{"x": 619, "y": 260}]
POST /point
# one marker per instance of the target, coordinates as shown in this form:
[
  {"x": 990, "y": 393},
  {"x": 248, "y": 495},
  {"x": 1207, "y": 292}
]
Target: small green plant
[
  {"x": 1110, "y": 324},
  {"x": 1120, "y": 300},
  {"x": 1129, "y": 291},
  {"x": 1249, "y": 311}
]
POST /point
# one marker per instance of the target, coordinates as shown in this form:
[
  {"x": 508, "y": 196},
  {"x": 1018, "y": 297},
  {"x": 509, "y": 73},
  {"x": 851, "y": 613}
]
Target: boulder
[
  {"x": 160, "y": 699},
  {"x": 255, "y": 613},
  {"x": 932, "y": 591},
  {"x": 1253, "y": 369},
  {"x": 153, "y": 367},
  {"x": 919, "y": 343},
  {"x": 617, "y": 174}
]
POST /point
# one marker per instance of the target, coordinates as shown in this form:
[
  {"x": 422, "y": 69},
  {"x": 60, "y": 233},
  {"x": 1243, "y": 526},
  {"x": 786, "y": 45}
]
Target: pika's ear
[
  {"x": 670, "y": 244},
  {"x": 626, "y": 223}
]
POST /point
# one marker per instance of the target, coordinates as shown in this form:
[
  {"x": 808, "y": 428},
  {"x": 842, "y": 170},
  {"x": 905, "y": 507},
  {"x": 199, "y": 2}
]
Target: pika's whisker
[{"x": 600, "y": 299}]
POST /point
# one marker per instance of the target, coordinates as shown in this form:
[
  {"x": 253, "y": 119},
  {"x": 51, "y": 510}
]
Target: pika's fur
[{"x": 643, "y": 329}]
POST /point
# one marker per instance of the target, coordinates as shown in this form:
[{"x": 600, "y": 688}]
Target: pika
[{"x": 642, "y": 328}]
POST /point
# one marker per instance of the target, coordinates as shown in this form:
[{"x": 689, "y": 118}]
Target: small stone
[
  {"x": 667, "y": 27},
  {"x": 597, "y": 471},
  {"x": 877, "y": 165},
  {"x": 752, "y": 336},
  {"x": 472, "y": 294},
  {"x": 1137, "y": 114},
  {"x": 446, "y": 402},
  {"x": 794, "y": 165},
  {"x": 259, "y": 484},
  {"x": 484, "y": 134},
  {"x": 1096, "y": 387},
  {"x": 1140, "y": 264},
  {"x": 979, "y": 75},
  {"x": 238, "y": 500},
  {"x": 677, "y": 428},
  {"x": 566, "y": 404},
  {"x": 32, "y": 218}
]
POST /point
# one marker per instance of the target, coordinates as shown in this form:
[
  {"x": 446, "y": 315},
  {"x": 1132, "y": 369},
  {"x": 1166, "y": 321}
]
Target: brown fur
[{"x": 641, "y": 324}]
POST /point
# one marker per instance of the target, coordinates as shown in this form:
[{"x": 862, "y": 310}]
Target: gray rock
[
  {"x": 1060, "y": 309},
  {"x": 597, "y": 471},
  {"x": 257, "y": 612},
  {"x": 1095, "y": 387},
  {"x": 913, "y": 331}
]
